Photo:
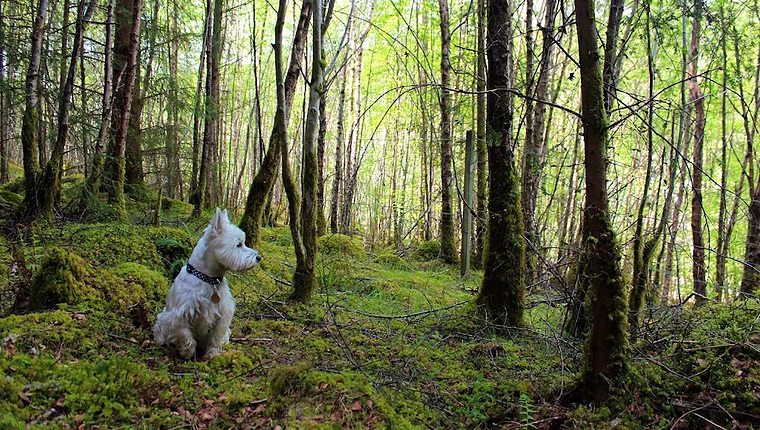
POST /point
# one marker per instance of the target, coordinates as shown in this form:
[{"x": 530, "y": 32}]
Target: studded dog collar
[{"x": 213, "y": 280}]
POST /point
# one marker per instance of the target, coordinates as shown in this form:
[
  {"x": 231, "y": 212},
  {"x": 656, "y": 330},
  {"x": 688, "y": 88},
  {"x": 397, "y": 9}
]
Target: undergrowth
[{"x": 387, "y": 342}]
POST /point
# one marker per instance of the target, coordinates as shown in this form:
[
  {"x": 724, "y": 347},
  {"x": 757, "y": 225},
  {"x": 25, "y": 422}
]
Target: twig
[{"x": 405, "y": 316}]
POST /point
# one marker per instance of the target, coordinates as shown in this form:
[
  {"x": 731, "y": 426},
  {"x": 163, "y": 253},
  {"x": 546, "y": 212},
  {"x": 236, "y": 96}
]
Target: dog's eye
[{"x": 240, "y": 245}]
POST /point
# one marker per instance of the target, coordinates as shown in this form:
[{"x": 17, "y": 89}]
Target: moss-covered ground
[{"x": 387, "y": 342}]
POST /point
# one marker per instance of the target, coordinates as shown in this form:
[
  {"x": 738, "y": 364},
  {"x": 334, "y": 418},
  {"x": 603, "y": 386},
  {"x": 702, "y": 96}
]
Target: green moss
[
  {"x": 390, "y": 258},
  {"x": 141, "y": 283},
  {"x": 342, "y": 245},
  {"x": 427, "y": 251},
  {"x": 62, "y": 278}
]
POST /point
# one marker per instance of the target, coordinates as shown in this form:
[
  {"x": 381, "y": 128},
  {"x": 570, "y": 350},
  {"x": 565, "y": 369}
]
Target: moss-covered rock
[
  {"x": 111, "y": 244},
  {"x": 427, "y": 251},
  {"x": 390, "y": 258},
  {"x": 66, "y": 278},
  {"x": 62, "y": 277},
  {"x": 341, "y": 244},
  {"x": 141, "y": 282}
]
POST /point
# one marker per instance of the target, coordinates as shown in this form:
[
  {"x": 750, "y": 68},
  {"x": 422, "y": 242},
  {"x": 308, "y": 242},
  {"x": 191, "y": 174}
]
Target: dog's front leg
[
  {"x": 185, "y": 342},
  {"x": 219, "y": 336}
]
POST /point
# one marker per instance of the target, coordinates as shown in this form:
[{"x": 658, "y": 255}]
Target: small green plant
[{"x": 527, "y": 410}]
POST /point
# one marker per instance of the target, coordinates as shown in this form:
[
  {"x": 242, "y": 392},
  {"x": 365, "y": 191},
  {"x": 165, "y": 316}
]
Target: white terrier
[{"x": 199, "y": 306}]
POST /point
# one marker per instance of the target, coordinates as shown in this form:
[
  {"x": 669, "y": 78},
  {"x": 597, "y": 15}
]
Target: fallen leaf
[{"x": 356, "y": 406}]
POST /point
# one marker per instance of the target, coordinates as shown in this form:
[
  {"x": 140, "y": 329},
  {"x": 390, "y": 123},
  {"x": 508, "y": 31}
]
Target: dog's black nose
[{"x": 258, "y": 258}]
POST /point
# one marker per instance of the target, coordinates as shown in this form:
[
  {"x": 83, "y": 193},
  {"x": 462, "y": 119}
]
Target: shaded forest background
[{"x": 380, "y": 138}]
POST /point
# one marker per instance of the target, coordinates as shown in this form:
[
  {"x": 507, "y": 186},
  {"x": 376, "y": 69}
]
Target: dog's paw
[{"x": 211, "y": 353}]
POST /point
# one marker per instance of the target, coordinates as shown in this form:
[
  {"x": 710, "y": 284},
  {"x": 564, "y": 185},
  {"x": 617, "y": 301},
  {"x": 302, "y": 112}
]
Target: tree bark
[
  {"x": 30, "y": 124},
  {"x": 126, "y": 46},
  {"x": 304, "y": 277},
  {"x": 208, "y": 191},
  {"x": 696, "y": 98},
  {"x": 502, "y": 291},
  {"x": 337, "y": 182},
  {"x": 606, "y": 348},
  {"x": 5, "y": 97},
  {"x": 481, "y": 191},
  {"x": 447, "y": 235},
  {"x": 534, "y": 154},
  {"x": 49, "y": 189},
  {"x": 93, "y": 182}
]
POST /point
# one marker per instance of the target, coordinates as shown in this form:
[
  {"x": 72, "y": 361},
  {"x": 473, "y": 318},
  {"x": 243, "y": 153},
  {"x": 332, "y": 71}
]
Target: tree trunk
[
  {"x": 49, "y": 189},
  {"x": 696, "y": 99},
  {"x": 338, "y": 171},
  {"x": 502, "y": 292},
  {"x": 304, "y": 277},
  {"x": 30, "y": 125},
  {"x": 481, "y": 191},
  {"x": 448, "y": 249},
  {"x": 126, "y": 46},
  {"x": 606, "y": 349},
  {"x": 93, "y": 182},
  {"x": 5, "y": 98},
  {"x": 262, "y": 183},
  {"x": 195, "y": 194},
  {"x": 174, "y": 180},
  {"x": 208, "y": 186},
  {"x": 535, "y": 144}
]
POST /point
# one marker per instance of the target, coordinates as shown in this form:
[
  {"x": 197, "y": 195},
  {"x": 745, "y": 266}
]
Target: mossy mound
[
  {"x": 62, "y": 277},
  {"x": 112, "y": 244},
  {"x": 390, "y": 258},
  {"x": 427, "y": 251},
  {"x": 348, "y": 400},
  {"x": 341, "y": 244},
  {"x": 141, "y": 282},
  {"x": 10, "y": 201},
  {"x": 66, "y": 278}
]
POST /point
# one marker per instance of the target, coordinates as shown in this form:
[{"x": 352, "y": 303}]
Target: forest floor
[{"x": 386, "y": 342}]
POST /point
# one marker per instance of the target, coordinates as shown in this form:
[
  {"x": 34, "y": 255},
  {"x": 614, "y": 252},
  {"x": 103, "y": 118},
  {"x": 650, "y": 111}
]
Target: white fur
[{"x": 190, "y": 319}]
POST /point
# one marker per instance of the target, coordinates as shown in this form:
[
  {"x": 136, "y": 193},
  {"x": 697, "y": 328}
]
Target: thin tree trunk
[
  {"x": 30, "y": 125},
  {"x": 447, "y": 235},
  {"x": 126, "y": 46},
  {"x": 208, "y": 186},
  {"x": 304, "y": 277},
  {"x": 606, "y": 349},
  {"x": 5, "y": 109},
  {"x": 481, "y": 191},
  {"x": 338, "y": 171},
  {"x": 93, "y": 182},
  {"x": 198, "y": 108},
  {"x": 50, "y": 187},
  {"x": 696, "y": 98},
  {"x": 263, "y": 182}
]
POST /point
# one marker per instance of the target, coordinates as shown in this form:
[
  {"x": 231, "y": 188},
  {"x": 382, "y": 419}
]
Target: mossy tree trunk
[
  {"x": 304, "y": 278},
  {"x": 696, "y": 98},
  {"x": 481, "y": 190},
  {"x": 448, "y": 250},
  {"x": 93, "y": 181},
  {"x": 208, "y": 187},
  {"x": 5, "y": 99},
  {"x": 126, "y": 46},
  {"x": 262, "y": 183},
  {"x": 534, "y": 155},
  {"x": 502, "y": 292},
  {"x": 606, "y": 349},
  {"x": 30, "y": 124},
  {"x": 49, "y": 190}
]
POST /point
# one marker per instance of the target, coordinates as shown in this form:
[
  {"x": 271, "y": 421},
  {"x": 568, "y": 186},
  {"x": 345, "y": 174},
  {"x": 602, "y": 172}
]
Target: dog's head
[{"x": 227, "y": 243}]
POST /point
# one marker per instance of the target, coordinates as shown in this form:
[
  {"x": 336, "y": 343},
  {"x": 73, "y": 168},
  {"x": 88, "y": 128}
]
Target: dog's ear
[{"x": 219, "y": 220}]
